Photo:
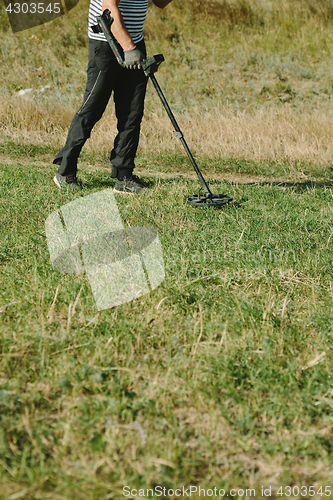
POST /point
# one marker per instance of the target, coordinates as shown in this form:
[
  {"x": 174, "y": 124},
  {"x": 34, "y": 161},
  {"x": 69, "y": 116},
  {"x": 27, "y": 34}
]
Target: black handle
[{"x": 104, "y": 26}]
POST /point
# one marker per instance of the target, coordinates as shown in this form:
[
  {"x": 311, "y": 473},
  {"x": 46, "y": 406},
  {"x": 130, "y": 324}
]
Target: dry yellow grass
[
  {"x": 268, "y": 135},
  {"x": 263, "y": 135}
]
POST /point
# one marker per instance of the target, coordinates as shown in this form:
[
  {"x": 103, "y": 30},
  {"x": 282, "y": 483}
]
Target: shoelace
[
  {"x": 133, "y": 178},
  {"x": 71, "y": 178}
]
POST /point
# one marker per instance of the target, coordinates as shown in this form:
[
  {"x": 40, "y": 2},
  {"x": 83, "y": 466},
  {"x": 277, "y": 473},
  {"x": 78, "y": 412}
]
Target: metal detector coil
[
  {"x": 203, "y": 200},
  {"x": 150, "y": 66}
]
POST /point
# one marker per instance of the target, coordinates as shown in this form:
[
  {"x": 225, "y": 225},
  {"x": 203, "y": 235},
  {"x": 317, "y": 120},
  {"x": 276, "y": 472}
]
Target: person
[{"x": 104, "y": 76}]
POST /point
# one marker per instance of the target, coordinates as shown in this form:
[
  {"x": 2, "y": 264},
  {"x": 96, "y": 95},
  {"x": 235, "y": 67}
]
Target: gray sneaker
[
  {"x": 130, "y": 185},
  {"x": 70, "y": 181}
]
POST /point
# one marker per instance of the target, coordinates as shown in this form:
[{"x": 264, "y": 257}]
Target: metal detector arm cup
[{"x": 104, "y": 26}]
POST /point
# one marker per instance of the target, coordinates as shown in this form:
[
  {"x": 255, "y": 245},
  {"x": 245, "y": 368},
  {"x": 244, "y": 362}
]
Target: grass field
[{"x": 222, "y": 376}]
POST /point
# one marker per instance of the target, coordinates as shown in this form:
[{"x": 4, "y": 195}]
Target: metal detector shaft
[{"x": 179, "y": 134}]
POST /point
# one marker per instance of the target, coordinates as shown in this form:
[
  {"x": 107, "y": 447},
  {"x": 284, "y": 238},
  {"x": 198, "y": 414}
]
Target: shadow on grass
[
  {"x": 98, "y": 182},
  {"x": 108, "y": 182},
  {"x": 298, "y": 186}
]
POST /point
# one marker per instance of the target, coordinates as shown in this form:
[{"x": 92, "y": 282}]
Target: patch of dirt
[{"x": 299, "y": 180}]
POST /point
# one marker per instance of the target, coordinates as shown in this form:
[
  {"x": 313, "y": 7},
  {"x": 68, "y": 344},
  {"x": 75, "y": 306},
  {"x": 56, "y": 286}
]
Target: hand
[{"x": 133, "y": 58}]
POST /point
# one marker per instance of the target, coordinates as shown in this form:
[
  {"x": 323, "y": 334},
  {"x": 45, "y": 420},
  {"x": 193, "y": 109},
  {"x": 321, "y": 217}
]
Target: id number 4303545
[
  {"x": 33, "y": 8},
  {"x": 304, "y": 491}
]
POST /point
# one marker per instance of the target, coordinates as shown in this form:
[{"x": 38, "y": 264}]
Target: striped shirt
[{"x": 133, "y": 12}]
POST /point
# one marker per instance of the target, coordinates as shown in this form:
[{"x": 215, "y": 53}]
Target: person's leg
[
  {"x": 101, "y": 74},
  {"x": 129, "y": 95}
]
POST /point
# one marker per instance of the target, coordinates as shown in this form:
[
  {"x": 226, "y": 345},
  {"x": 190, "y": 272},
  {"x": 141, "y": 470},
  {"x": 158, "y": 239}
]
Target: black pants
[{"x": 105, "y": 75}]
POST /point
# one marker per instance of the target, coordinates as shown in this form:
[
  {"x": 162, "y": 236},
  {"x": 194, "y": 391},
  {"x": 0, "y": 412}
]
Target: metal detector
[{"x": 150, "y": 66}]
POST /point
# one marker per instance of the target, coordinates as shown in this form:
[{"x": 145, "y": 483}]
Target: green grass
[
  {"x": 222, "y": 376},
  {"x": 206, "y": 381},
  {"x": 252, "y": 57}
]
